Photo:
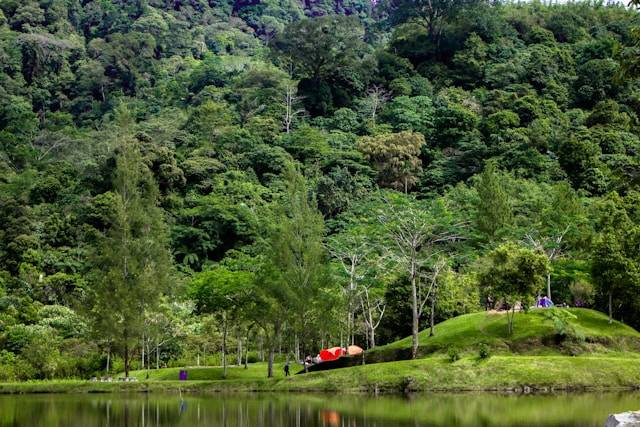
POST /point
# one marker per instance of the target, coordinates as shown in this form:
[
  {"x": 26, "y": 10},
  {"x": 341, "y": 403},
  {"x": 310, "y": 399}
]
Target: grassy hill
[
  {"x": 534, "y": 333},
  {"x": 595, "y": 355}
]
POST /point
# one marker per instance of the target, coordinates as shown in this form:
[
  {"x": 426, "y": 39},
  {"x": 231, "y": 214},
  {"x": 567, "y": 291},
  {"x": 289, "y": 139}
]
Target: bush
[
  {"x": 15, "y": 368},
  {"x": 562, "y": 325},
  {"x": 583, "y": 293},
  {"x": 484, "y": 352},
  {"x": 454, "y": 354}
]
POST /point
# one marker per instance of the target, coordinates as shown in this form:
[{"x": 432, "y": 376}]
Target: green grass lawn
[
  {"x": 498, "y": 373},
  {"x": 212, "y": 373}
]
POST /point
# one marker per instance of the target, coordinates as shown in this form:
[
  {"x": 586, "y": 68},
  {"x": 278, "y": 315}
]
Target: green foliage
[
  {"x": 132, "y": 263},
  {"x": 454, "y": 354},
  {"x": 493, "y": 211},
  {"x": 505, "y": 122},
  {"x": 457, "y": 294},
  {"x": 615, "y": 253},
  {"x": 562, "y": 323},
  {"x": 484, "y": 352},
  {"x": 395, "y": 156},
  {"x": 221, "y": 290},
  {"x": 513, "y": 274}
]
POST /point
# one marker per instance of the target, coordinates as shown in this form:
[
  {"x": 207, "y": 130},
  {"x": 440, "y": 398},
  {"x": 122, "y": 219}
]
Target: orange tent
[{"x": 354, "y": 350}]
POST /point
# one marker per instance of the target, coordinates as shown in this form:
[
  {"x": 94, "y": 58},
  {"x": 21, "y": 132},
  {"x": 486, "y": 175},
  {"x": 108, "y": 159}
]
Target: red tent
[{"x": 331, "y": 353}]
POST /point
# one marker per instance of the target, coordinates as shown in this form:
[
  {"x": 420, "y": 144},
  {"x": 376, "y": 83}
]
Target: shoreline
[
  {"x": 498, "y": 374},
  {"x": 213, "y": 387}
]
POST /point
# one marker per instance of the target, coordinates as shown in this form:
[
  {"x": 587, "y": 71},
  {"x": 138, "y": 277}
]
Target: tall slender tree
[
  {"x": 297, "y": 250},
  {"x": 421, "y": 233},
  {"x": 132, "y": 262}
]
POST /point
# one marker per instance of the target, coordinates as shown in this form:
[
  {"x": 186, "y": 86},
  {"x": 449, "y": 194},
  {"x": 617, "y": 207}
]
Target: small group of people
[
  {"x": 309, "y": 360},
  {"x": 541, "y": 302}
]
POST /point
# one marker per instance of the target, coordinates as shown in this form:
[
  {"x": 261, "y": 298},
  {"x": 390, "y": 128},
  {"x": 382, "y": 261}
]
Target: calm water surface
[{"x": 278, "y": 410}]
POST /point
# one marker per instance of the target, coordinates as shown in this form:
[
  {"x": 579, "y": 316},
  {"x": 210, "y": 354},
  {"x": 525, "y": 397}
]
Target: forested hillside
[{"x": 193, "y": 181}]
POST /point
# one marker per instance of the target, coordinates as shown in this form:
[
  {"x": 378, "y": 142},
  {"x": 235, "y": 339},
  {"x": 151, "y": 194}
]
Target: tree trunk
[
  {"x": 304, "y": 353},
  {"x": 239, "y": 356},
  {"x": 148, "y": 357},
  {"x": 142, "y": 354},
  {"x": 414, "y": 314},
  {"x": 108, "y": 360},
  {"x": 610, "y": 307},
  {"x": 368, "y": 338},
  {"x": 549, "y": 285},
  {"x": 433, "y": 311},
  {"x": 511, "y": 319},
  {"x": 126, "y": 359},
  {"x": 157, "y": 356},
  {"x": 372, "y": 337},
  {"x": 224, "y": 346},
  {"x": 246, "y": 353},
  {"x": 270, "y": 363}
]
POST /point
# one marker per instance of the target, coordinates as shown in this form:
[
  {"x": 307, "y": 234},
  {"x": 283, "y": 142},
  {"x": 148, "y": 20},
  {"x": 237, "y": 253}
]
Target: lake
[{"x": 275, "y": 410}]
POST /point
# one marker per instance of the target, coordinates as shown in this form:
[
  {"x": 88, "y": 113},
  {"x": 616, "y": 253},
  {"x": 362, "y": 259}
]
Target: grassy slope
[
  {"x": 529, "y": 358},
  {"x": 533, "y": 334},
  {"x": 211, "y": 373},
  {"x": 497, "y": 373}
]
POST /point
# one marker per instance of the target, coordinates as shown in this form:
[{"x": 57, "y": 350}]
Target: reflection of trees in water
[
  {"x": 303, "y": 410},
  {"x": 131, "y": 410}
]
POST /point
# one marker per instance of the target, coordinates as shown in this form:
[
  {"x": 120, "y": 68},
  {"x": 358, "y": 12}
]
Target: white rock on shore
[{"x": 625, "y": 419}]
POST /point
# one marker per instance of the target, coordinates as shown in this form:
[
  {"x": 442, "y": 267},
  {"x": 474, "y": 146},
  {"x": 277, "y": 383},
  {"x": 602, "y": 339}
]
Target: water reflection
[{"x": 289, "y": 410}]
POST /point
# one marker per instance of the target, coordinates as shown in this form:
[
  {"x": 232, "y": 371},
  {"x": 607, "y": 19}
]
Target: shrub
[
  {"x": 583, "y": 293},
  {"x": 561, "y": 323},
  {"x": 484, "y": 352},
  {"x": 15, "y": 368},
  {"x": 454, "y": 354}
]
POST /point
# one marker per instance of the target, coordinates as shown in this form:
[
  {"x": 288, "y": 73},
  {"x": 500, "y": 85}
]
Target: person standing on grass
[{"x": 286, "y": 369}]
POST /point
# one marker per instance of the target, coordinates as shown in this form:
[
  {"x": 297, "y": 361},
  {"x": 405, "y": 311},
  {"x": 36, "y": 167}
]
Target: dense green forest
[{"x": 206, "y": 182}]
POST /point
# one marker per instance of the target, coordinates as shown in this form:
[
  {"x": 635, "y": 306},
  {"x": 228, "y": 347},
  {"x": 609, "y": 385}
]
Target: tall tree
[
  {"x": 362, "y": 269},
  {"x": 223, "y": 293},
  {"x": 351, "y": 250},
  {"x": 421, "y": 233},
  {"x": 132, "y": 262},
  {"x": 616, "y": 253},
  {"x": 297, "y": 250},
  {"x": 273, "y": 301},
  {"x": 432, "y": 14},
  {"x": 560, "y": 217},
  {"x": 317, "y": 48}
]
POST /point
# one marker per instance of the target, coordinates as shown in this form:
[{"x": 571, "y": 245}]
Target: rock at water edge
[{"x": 625, "y": 419}]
